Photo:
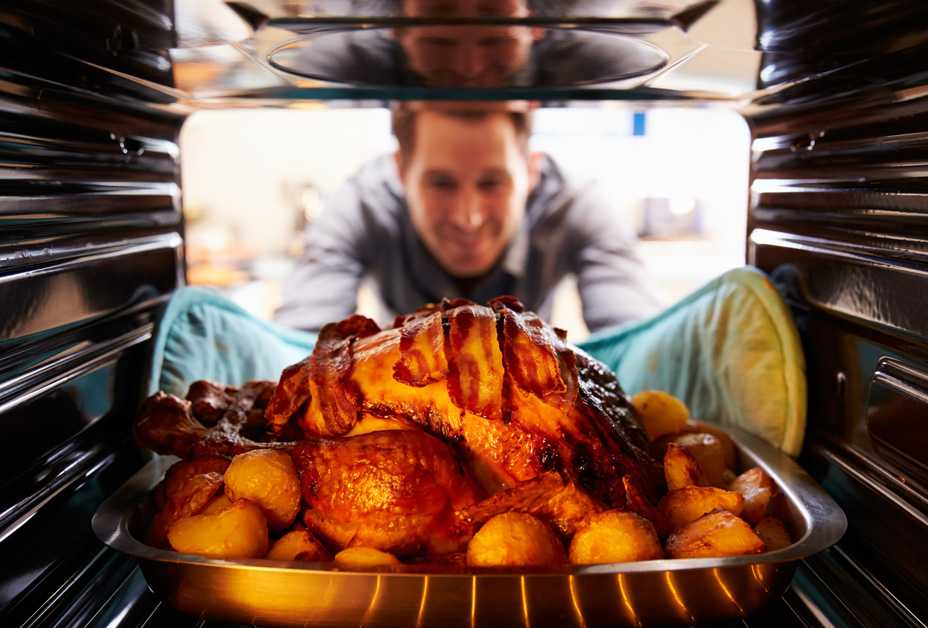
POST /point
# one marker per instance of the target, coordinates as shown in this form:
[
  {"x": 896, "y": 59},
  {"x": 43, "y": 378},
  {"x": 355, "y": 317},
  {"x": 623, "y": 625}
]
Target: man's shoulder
[{"x": 375, "y": 189}]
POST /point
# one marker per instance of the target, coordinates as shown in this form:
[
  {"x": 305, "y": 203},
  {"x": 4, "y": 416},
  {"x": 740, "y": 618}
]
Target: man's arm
[
  {"x": 323, "y": 287},
  {"x": 613, "y": 283}
]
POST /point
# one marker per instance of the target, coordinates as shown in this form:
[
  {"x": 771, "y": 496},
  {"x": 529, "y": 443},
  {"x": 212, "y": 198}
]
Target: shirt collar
[
  {"x": 550, "y": 184},
  {"x": 394, "y": 185},
  {"x": 516, "y": 256}
]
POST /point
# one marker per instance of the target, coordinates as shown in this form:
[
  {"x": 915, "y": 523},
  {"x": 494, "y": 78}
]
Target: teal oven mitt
[
  {"x": 203, "y": 335},
  {"x": 730, "y": 351}
]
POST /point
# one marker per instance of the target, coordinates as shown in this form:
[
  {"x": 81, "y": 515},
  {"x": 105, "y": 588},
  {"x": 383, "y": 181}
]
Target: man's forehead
[
  {"x": 431, "y": 123},
  {"x": 465, "y": 8},
  {"x": 487, "y": 138}
]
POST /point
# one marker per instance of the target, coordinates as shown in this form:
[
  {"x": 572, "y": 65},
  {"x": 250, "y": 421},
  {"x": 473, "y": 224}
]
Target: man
[{"x": 465, "y": 209}]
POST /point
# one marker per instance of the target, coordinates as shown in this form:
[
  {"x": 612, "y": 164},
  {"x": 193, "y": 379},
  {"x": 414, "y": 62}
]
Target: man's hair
[{"x": 404, "y": 123}]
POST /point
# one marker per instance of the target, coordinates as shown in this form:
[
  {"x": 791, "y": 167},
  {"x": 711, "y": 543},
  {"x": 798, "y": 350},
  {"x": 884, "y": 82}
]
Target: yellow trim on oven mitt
[{"x": 730, "y": 351}]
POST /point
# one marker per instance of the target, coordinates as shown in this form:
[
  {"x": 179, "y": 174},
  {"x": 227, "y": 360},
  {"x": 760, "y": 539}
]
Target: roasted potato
[
  {"x": 217, "y": 505},
  {"x": 756, "y": 488},
  {"x": 182, "y": 471},
  {"x": 515, "y": 539},
  {"x": 727, "y": 445},
  {"x": 714, "y": 455},
  {"x": 715, "y": 534},
  {"x": 681, "y": 468},
  {"x": 685, "y": 505},
  {"x": 773, "y": 533},
  {"x": 660, "y": 413},
  {"x": 728, "y": 476},
  {"x": 182, "y": 495},
  {"x": 615, "y": 537},
  {"x": 709, "y": 453},
  {"x": 268, "y": 478},
  {"x": 239, "y": 531},
  {"x": 364, "y": 558},
  {"x": 298, "y": 545}
]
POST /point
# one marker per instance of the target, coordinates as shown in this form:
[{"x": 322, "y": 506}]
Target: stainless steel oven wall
[
  {"x": 90, "y": 246},
  {"x": 839, "y": 216}
]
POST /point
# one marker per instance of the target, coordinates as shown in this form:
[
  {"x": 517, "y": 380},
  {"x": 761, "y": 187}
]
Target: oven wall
[
  {"x": 90, "y": 246},
  {"x": 839, "y": 217}
]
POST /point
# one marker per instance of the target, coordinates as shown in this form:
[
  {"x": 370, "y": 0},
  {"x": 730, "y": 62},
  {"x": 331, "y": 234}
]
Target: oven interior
[{"x": 93, "y": 96}]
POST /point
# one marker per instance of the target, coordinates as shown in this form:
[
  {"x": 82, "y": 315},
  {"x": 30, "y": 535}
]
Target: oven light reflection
[
  {"x": 375, "y": 598},
  {"x": 672, "y": 587},
  {"x": 473, "y": 601},
  {"x": 425, "y": 593},
  {"x": 524, "y": 602},
  {"x": 759, "y": 577},
  {"x": 573, "y": 600},
  {"x": 626, "y": 600},
  {"x": 718, "y": 578}
]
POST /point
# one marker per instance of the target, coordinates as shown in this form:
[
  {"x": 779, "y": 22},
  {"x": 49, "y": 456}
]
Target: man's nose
[
  {"x": 468, "y": 213},
  {"x": 471, "y": 61}
]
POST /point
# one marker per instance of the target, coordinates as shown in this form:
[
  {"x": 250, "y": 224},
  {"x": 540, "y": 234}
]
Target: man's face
[
  {"x": 466, "y": 56},
  {"x": 467, "y": 182}
]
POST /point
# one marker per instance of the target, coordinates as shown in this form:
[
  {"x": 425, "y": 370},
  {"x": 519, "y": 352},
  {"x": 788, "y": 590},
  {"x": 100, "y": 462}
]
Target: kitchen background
[{"x": 253, "y": 178}]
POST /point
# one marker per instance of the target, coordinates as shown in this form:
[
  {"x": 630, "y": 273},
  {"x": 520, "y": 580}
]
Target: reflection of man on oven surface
[
  {"x": 465, "y": 209},
  {"x": 466, "y": 55}
]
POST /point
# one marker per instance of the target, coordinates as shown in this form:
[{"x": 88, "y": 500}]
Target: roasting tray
[{"x": 313, "y": 594}]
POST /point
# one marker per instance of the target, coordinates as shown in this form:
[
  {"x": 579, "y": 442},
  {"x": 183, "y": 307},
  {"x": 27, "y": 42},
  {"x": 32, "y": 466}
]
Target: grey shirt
[{"x": 365, "y": 229}]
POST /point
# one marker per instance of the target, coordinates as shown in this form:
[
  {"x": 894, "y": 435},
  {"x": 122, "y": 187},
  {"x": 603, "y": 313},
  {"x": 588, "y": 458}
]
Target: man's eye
[
  {"x": 442, "y": 184},
  {"x": 495, "y": 42},
  {"x": 439, "y": 42},
  {"x": 490, "y": 185}
]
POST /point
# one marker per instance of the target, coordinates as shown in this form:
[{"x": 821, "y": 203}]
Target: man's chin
[{"x": 469, "y": 269}]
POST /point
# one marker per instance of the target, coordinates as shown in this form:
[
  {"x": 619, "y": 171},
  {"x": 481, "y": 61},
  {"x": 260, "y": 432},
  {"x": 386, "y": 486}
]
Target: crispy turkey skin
[{"x": 496, "y": 380}]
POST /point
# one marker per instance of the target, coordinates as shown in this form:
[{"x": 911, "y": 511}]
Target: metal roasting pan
[{"x": 265, "y": 592}]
